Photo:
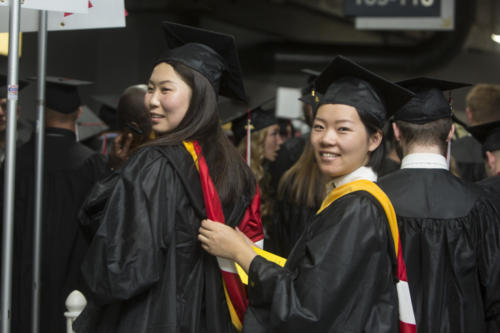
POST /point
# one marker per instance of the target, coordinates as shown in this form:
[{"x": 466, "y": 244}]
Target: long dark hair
[
  {"x": 372, "y": 126},
  {"x": 230, "y": 174}
]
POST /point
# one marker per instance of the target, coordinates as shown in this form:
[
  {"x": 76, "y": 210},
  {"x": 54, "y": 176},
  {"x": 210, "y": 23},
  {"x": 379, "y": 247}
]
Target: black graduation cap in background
[
  {"x": 487, "y": 134},
  {"x": 429, "y": 103},
  {"x": 308, "y": 94},
  {"x": 212, "y": 54},
  {"x": 345, "y": 82},
  {"x": 108, "y": 110},
  {"x": 260, "y": 118},
  {"x": 3, "y": 85},
  {"x": 61, "y": 94}
]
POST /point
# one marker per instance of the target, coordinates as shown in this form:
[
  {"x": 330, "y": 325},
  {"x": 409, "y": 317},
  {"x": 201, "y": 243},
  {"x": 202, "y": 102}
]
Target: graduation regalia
[
  {"x": 146, "y": 270},
  {"x": 341, "y": 274},
  {"x": 489, "y": 136},
  {"x": 449, "y": 232},
  {"x": 289, "y": 222},
  {"x": 450, "y": 239},
  {"x": 159, "y": 279},
  {"x": 70, "y": 171},
  {"x": 339, "y": 277}
]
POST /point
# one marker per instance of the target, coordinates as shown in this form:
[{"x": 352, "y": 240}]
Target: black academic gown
[
  {"x": 288, "y": 154},
  {"x": 468, "y": 155},
  {"x": 145, "y": 269},
  {"x": 450, "y": 237},
  {"x": 289, "y": 222},
  {"x": 70, "y": 171},
  {"x": 339, "y": 277},
  {"x": 492, "y": 188}
]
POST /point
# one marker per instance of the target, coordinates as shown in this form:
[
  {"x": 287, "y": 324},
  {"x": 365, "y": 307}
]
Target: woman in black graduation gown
[
  {"x": 340, "y": 276},
  {"x": 146, "y": 270}
]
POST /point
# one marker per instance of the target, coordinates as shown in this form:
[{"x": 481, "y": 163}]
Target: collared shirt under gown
[{"x": 450, "y": 238}]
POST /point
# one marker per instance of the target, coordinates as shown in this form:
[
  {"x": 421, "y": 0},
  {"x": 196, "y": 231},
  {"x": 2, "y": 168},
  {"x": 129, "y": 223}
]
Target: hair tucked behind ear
[
  {"x": 372, "y": 126},
  {"x": 230, "y": 174}
]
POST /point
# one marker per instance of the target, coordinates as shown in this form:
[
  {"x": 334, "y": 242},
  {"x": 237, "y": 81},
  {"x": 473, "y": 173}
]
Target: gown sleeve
[
  {"x": 124, "y": 258},
  {"x": 333, "y": 278},
  {"x": 489, "y": 262}
]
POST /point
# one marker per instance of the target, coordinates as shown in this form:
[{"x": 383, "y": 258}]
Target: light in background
[{"x": 4, "y": 43}]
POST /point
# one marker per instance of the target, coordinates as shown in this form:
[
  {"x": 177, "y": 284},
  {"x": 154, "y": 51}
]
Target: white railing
[{"x": 75, "y": 303}]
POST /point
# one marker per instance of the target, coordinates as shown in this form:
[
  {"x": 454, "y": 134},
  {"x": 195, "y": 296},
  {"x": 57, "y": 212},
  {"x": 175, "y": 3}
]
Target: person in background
[
  {"x": 24, "y": 128},
  {"x": 449, "y": 231},
  {"x": 70, "y": 171},
  {"x": 134, "y": 123},
  {"x": 489, "y": 136},
  {"x": 145, "y": 270},
  {"x": 292, "y": 147},
  {"x": 392, "y": 159},
  {"x": 265, "y": 142},
  {"x": 300, "y": 193},
  {"x": 341, "y": 274},
  {"x": 482, "y": 106}
]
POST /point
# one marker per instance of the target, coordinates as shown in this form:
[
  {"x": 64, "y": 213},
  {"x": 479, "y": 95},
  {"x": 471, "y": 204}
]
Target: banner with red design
[
  {"x": 74, "y": 6},
  {"x": 100, "y": 14}
]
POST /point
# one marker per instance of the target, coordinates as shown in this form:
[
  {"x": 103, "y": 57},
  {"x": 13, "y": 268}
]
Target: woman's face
[
  {"x": 167, "y": 98},
  {"x": 340, "y": 140},
  {"x": 272, "y": 142}
]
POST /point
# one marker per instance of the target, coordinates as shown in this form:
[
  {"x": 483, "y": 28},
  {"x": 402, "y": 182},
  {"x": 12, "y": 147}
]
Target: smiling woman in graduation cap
[
  {"x": 340, "y": 276},
  {"x": 145, "y": 267}
]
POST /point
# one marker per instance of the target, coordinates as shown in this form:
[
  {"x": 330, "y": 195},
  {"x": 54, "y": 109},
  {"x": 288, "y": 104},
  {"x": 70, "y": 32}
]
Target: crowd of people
[{"x": 377, "y": 220}]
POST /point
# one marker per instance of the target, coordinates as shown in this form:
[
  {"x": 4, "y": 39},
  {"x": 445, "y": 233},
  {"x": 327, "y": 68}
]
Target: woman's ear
[
  {"x": 375, "y": 140},
  {"x": 397, "y": 132}
]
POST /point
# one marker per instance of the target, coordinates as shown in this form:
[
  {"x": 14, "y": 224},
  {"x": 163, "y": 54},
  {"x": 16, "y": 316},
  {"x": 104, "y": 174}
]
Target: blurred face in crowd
[
  {"x": 167, "y": 98},
  {"x": 272, "y": 142},
  {"x": 3, "y": 114},
  {"x": 340, "y": 140}
]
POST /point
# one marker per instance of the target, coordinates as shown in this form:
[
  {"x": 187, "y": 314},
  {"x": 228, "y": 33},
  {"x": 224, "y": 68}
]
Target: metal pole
[
  {"x": 40, "y": 143},
  {"x": 10, "y": 161}
]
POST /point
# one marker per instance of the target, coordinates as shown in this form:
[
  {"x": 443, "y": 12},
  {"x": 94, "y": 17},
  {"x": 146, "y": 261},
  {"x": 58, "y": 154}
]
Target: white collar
[
  {"x": 424, "y": 161},
  {"x": 360, "y": 173}
]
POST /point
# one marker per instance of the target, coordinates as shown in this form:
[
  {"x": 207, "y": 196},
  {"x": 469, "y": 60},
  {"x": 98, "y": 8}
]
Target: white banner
[
  {"x": 74, "y": 6},
  {"x": 101, "y": 14}
]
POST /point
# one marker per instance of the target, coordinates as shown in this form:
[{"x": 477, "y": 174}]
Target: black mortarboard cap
[
  {"x": 429, "y": 103},
  {"x": 89, "y": 124},
  {"x": 345, "y": 82},
  {"x": 260, "y": 118},
  {"x": 213, "y": 54},
  {"x": 308, "y": 95},
  {"x": 3, "y": 85},
  {"x": 488, "y": 135},
  {"x": 108, "y": 110},
  {"x": 61, "y": 94}
]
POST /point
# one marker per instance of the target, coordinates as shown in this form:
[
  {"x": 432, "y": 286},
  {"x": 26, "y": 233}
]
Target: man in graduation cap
[
  {"x": 24, "y": 128},
  {"x": 489, "y": 136},
  {"x": 448, "y": 229},
  {"x": 70, "y": 170},
  {"x": 482, "y": 106}
]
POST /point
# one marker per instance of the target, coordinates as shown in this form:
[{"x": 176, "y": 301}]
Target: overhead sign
[
  {"x": 427, "y": 8},
  {"x": 101, "y": 14},
  {"x": 74, "y": 6},
  {"x": 445, "y": 21}
]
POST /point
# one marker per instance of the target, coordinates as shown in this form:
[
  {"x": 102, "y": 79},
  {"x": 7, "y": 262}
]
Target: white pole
[
  {"x": 10, "y": 161},
  {"x": 37, "y": 231}
]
